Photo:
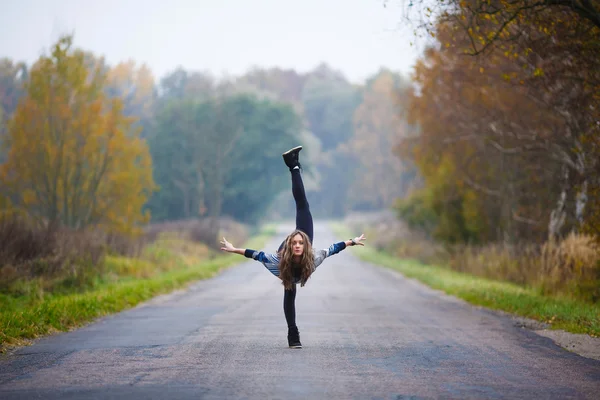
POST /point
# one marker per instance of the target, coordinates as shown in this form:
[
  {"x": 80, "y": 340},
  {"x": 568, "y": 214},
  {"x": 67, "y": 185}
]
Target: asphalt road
[{"x": 368, "y": 333}]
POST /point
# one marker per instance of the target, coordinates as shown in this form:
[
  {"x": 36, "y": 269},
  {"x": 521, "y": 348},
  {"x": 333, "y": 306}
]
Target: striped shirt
[{"x": 271, "y": 260}]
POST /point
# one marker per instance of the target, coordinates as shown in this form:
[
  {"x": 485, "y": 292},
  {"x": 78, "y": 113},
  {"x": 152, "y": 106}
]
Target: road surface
[{"x": 368, "y": 333}]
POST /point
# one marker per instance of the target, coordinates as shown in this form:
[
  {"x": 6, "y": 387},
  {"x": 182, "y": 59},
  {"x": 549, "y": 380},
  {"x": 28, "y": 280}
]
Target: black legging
[{"x": 304, "y": 223}]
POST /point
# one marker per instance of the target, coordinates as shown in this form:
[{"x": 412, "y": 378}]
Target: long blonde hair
[{"x": 286, "y": 261}]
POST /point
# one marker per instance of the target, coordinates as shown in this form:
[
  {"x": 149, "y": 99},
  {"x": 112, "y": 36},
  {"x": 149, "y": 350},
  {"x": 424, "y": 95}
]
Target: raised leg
[{"x": 304, "y": 220}]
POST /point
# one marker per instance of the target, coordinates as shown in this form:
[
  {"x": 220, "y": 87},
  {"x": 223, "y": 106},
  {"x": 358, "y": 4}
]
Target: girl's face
[{"x": 297, "y": 245}]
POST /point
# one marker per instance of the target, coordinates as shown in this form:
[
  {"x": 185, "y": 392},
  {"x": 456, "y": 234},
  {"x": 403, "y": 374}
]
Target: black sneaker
[
  {"x": 291, "y": 157},
  {"x": 294, "y": 338}
]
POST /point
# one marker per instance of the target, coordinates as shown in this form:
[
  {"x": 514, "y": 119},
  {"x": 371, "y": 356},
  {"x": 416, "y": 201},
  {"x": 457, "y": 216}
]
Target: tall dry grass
[{"x": 569, "y": 267}]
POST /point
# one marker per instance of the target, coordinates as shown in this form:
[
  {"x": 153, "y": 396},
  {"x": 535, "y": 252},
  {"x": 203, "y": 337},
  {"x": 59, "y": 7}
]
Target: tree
[
  {"x": 500, "y": 23},
  {"x": 377, "y": 126},
  {"x": 506, "y": 142},
  {"x": 286, "y": 84},
  {"x": 517, "y": 58},
  {"x": 256, "y": 173},
  {"x": 181, "y": 84},
  {"x": 171, "y": 147},
  {"x": 74, "y": 158},
  {"x": 220, "y": 156},
  {"x": 219, "y": 127},
  {"x": 135, "y": 87}
]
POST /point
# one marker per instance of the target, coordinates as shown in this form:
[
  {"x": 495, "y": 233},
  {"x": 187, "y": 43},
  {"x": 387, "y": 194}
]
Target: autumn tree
[
  {"x": 473, "y": 190},
  {"x": 74, "y": 158},
  {"x": 543, "y": 56},
  {"x": 379, "y": 177}
]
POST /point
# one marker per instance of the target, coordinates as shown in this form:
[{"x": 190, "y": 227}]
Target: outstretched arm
[
  {"x": 228, "y": 247},
  {"x": 270, "y": 261},
  {"x": 336, "y": 248}
]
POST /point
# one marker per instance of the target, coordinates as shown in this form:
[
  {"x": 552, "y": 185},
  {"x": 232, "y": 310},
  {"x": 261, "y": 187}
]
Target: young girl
[{"x": 296, "y": 259}]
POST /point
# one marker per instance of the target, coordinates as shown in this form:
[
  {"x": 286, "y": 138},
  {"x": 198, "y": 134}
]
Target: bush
[
  {"x": 50, "y": 256},
  {"x": 34, "y": 261},
  {"x": 201, "y": 230}
]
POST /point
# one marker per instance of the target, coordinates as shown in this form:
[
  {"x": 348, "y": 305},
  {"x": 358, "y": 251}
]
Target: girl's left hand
[{"x": 359, "y": 240}]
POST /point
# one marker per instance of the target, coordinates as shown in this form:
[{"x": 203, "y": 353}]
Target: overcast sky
[{"x": 356, "y": 37}]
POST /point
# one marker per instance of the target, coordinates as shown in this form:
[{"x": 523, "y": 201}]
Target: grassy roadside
[
  {"x": 167, "y": 265},
  {"x": 561, "y": 313}
]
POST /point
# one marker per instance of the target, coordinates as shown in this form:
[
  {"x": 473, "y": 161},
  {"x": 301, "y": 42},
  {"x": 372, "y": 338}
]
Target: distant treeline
[{"x": 85, "y": 143}]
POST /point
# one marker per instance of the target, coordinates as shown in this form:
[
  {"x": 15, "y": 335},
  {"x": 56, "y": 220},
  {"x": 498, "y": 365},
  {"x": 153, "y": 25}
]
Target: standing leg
[{"x": 289, "y": 308}]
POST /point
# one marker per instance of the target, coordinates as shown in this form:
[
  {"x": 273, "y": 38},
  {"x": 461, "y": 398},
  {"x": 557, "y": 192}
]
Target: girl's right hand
[{"x": 227, "y": 246}]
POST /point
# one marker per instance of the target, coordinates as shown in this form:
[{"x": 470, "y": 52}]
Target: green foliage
[
  {"x": 256, "y": 173},
  {"x": 417, "y": 211},
  {"x": 441, "y": 218},
  {"x": 174, "y": 169},
  {"x": 220, "y": 156},
  {"x": 444, "y": 209}
]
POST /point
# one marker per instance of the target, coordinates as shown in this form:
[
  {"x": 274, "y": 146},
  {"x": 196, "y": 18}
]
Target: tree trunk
[
  {"x": 185, "y": 191},
  {"x": 201, "y": 193},
  {"x": 558, "y": 215},
  {"x": 580, "y": 202}
]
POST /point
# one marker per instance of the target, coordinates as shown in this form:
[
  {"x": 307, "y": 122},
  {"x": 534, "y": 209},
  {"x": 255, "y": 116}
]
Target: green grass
[
  {"x": 30, "y": 316},
  {"x": 562, "y": 313}
]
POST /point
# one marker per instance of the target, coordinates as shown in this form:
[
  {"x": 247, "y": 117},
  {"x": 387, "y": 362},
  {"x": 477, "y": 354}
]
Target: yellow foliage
[{"x": 74, "y": 157}]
